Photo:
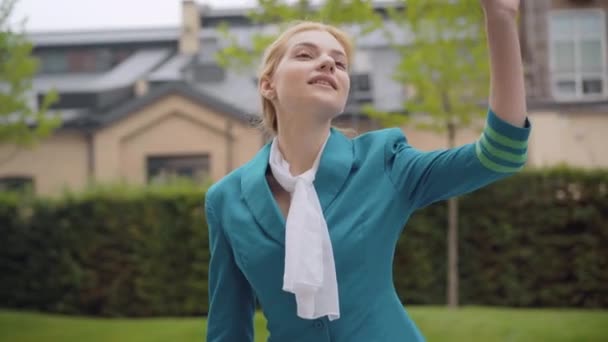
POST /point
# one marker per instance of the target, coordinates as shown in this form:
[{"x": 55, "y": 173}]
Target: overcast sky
[{"x": 45, "y": 15}]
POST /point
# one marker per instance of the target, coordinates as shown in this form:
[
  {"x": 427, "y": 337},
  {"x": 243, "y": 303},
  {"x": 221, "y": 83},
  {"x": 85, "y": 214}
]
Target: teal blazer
[{"x": 368, "y": 187}]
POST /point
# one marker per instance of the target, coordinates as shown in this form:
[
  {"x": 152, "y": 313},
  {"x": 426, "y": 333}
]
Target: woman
[{"x": 309, "y": 226}]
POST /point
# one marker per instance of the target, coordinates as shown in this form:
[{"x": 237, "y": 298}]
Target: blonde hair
[{"x": 275, "y": 52}]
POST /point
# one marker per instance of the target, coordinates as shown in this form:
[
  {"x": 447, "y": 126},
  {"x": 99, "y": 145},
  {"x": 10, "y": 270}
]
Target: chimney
[{"x": 191, "y": 26}]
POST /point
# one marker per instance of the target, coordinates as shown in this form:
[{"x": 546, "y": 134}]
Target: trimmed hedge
[
  {"x": 536, "y": 239},
  {"x": 110, "y": 253}
]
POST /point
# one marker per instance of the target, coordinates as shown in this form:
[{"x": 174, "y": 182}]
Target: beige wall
[
  {"x": 55, "y": 163},
  {"x": 172, "y": 126},
  {"x": 428, "y": 141},
  {"x": 175, "y": 134},
  {"x": 248, "y": 141},
  {"x": 578, "y": 139}
]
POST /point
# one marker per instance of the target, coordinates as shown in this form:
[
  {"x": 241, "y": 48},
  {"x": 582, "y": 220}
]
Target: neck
[{"x": 300, "y": 143}]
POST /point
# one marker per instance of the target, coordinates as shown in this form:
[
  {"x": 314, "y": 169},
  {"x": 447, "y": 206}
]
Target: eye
[
  {"x": 341, "y": 65},
  {"x": 303, "y": 55}
]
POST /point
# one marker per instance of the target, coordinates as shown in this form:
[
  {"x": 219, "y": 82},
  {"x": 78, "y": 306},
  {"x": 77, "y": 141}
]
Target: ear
[{"x": 267, "y": 88}]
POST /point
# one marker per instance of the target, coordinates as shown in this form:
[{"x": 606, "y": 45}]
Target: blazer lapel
[
  {"x": 334, "y": 168},
  {"x": 259, "y": 198}
]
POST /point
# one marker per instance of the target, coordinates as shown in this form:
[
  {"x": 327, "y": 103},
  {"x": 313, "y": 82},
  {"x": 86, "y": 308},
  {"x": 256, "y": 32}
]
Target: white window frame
[{"x": 577, "y": 75}]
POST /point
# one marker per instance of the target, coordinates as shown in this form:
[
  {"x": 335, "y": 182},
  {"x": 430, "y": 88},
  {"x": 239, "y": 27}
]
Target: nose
[{"x": 327, "y": 64}]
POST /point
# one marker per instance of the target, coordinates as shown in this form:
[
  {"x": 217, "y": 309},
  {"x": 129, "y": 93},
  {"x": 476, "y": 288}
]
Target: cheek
[
  {"x": 346, "y": 86},
  {"x": 290, "y": 80}
]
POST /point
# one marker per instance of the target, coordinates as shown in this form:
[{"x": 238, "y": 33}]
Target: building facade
[
  {"x": 141, "y": 105},
  {"x": 565, "y": 51}
]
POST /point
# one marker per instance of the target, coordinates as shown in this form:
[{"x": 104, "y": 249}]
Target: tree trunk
[
  {"x": 453, "y": 252},
  {"x": 452, "y": 241}
]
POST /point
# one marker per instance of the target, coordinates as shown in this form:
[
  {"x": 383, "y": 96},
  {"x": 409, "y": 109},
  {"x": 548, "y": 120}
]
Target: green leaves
[
  {"x": 445, "y": 63},
  {"x": 21, "y": 121},
  {"x": 238, "y": 57},
  {"x": 275, "y": 12}
]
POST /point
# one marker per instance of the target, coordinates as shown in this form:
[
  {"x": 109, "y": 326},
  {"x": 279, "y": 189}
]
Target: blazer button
[{"x": 318, "y": 324}]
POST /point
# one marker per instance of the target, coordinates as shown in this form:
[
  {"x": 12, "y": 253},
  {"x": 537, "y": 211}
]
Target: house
[
  {"x": 128, "y": 114},
  {"x": 141, "y": 104}
]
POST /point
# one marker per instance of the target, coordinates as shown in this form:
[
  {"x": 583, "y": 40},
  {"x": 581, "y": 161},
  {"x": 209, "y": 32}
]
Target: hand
[{"x": 491, "y": 7}]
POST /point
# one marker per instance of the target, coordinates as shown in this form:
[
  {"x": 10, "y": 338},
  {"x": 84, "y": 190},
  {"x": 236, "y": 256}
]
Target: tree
[
  {"x": 446, "y": 64},
  {"x": 277, "y": 12},
  {"x": 21, "y": 124}
]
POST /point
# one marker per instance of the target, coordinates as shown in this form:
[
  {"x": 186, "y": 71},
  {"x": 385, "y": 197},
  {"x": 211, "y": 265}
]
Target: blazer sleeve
[
  {"x": 427, "y": 177},
  {"x": 231, "y": 299}
]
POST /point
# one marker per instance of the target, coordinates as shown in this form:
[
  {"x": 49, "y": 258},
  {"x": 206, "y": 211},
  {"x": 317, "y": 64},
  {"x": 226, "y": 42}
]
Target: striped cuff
[{"x": 503, "y": 147}]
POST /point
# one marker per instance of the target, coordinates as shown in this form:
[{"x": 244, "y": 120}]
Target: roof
[
  {"x": 208, "y": 11},
  {"x": 135, "y": 67},
  {"x": 242, "y": 29},
  {"x": 238, "y": 89},
  {"x": 104, "y": 36},
  {"x": 177, "y": 88},
  {"x": 172, "y": 69},
  {"x": 243, "y": 35}
]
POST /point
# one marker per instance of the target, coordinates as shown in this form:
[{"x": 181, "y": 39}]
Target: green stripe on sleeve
[
  {"x": 492, "y": 165},
  {"x": 500, "y": 154},
  {"x": 504, "y": 140}
]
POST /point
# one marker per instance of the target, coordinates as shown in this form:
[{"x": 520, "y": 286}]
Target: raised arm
[
  {"x": 231, "y": 299},
  {"x": 507, "y": 88},
  {"x": 426, "y": 177}
]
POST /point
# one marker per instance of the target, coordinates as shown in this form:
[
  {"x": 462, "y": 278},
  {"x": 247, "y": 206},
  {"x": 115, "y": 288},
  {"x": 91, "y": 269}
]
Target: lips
[{"x": 323, "y": 79}]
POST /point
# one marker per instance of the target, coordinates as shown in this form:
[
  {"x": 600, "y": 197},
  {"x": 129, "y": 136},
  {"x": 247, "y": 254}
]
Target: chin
[
  {"x": 328, "y": 107},
  {"x": 323, "y": 106},
  {"x": 328, "y": 112}
]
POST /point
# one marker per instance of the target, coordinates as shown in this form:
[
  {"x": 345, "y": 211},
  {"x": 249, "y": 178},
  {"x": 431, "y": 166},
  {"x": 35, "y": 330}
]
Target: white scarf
[{"x": 310, "y": 272}]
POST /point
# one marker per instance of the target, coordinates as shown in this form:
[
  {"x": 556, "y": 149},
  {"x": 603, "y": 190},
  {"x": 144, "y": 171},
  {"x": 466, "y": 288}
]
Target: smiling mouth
[{"x": 322, "y": 83}]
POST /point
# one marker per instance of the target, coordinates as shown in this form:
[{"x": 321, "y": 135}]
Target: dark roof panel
[
  {"x": 126, "y": 73},
  {"x": 103, "y": 37}
]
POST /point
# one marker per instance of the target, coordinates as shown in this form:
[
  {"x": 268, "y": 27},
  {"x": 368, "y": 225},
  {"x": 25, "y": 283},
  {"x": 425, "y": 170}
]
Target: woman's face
[{"x": 312, "y": 77}]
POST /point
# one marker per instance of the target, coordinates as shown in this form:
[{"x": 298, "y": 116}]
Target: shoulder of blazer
[
  {"x": 224, "y": 188},
  {"x": 380, "y": 136},
  {"x": 229, "y": 186},
  {"x": 381, "y": 141}
]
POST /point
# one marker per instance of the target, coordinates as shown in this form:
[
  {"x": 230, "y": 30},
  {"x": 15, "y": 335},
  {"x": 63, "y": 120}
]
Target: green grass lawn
[{"x": 470, "y": 324}]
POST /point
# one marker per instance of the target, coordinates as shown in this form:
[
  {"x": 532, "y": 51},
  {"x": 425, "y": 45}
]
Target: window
[
  {"x": 360, "y": 88},
  {"x": 360, "y": 80},
  {"x": 53, "y": 62},
  {"x": 81, "y": 60},
  {"x": 162, "y": 169},
  {"x": 578, "y": 54},
  {"x": 209, "y": 73},
  {"x": 209, "y": 48},
  {"x": 19, "y": 184},
  {"x": 206, "y": 68}
]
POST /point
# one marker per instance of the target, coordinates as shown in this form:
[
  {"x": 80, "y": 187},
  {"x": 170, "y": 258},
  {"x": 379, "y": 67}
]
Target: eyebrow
[{"x": 311, "y": 45}]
